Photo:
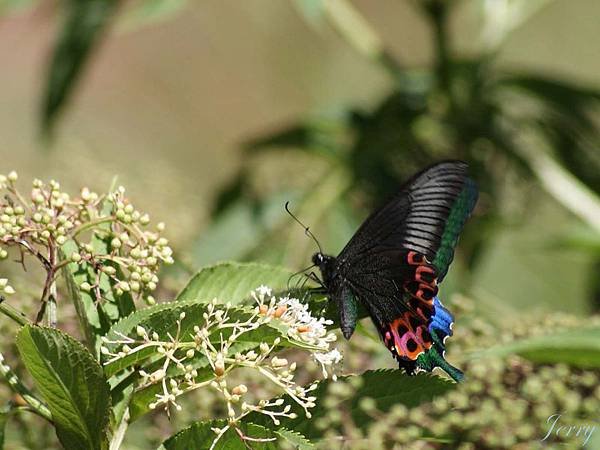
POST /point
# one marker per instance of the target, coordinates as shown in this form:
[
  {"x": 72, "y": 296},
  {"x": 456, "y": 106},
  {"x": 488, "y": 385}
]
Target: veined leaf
[
  {"x": 385, "y": 387},
  {"x": 200, "y": 435},
  {"x": 298, "y": 441},
  {"x": 232, "y": 281},
  {"x": 72, "y": 384}
]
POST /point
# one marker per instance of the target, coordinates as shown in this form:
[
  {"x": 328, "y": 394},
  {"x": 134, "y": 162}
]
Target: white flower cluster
[
  {"x": 215, "y": 339},
  {"x": 303, "y": 326}
]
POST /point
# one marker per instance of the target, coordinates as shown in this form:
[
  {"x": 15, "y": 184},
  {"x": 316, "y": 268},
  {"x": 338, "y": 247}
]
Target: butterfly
[{"x": 395, "y": 262}]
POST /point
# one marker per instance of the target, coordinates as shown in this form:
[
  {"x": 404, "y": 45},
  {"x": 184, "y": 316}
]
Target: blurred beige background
[{"x": 158, "y": 95}]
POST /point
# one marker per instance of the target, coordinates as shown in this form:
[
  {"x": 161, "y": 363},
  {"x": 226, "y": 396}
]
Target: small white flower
[{"x": 264, "y": 290}]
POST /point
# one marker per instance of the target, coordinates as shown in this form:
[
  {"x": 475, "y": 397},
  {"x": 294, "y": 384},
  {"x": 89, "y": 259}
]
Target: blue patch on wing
[{"x": 441, "y": 321}]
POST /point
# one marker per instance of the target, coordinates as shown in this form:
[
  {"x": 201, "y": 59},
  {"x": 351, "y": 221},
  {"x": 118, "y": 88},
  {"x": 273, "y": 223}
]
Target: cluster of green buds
[
  {"x": 506, "y": 402},
  {"x": 104, "y": 232},
  {"x": 219, "y": 340}
]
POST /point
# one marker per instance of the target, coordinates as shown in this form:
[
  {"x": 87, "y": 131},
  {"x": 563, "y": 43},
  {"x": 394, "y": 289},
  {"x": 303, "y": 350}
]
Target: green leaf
[
  {"x": 85, "y": 306},
  {"x": 578, "y": 347},
  {"x": 232, "y": 281},
  {"x": 564, "y": 97},
  {"x": 297, "y": 441},
  {"x": 386, "y": 387},
  {"x": 200, "y": 435},
  {"x": 86, "y": 20},
  {"x": 71, "y": 382},
  {"x": 95, "y": 315}
]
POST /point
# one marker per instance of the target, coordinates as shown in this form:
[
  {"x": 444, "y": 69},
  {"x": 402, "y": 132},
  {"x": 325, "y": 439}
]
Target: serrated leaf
[
  {"x": 232, "y": 281},
  {"x": 201, "y": 436},
  {"x": 386, "y": 387},
  {"x": 298, "y": 441},
  {"x": 82, "y": 30},
  {"x": 72, "y": 384},
  {"x": 579, "y": 348}
]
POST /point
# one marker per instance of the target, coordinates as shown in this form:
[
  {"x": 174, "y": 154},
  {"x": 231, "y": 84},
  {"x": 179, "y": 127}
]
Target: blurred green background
[{"x": 214, "y": 113}]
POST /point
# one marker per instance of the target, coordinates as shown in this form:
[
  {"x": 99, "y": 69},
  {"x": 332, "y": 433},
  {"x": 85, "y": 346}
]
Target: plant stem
[
  {"x": 91, "y": 224},
  {"x": 117, "y": 438},
  {"x": 13, "y": 313},
  {"x": 49, "y": 294},
  {"x": 52, "y": 308},
  {"x": 37, "y": 406}
]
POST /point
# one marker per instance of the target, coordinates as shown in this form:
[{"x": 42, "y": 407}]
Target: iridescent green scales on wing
[
  {"x": 432, "y": 359},
  {"x": 460, "y": 212}
]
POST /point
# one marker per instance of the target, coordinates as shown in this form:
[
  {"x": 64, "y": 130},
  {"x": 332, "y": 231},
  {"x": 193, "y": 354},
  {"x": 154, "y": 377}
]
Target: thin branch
[
  {"x": 13, "y": 313},
  {"x": 37, "y": 406},
  {"x": 117, "y": 438}
]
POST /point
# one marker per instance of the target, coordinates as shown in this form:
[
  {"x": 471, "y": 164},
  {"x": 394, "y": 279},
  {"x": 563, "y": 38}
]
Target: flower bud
[
  {"x": 109, "y": 270},
  {"x": 280, "y": 311},
  {"x": 278, "y": 362},
  {"x": 13, "y": 176},
  {"x": 239, "y": 390},
  {"x": 219, "y": 365},
  {"x": 9, "y": 290},
  {"x": 116, "y": 243}
]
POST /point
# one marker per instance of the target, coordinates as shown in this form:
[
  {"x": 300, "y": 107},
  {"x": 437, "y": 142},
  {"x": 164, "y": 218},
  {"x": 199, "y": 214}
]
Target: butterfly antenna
[{"x": 306, "y": 229}]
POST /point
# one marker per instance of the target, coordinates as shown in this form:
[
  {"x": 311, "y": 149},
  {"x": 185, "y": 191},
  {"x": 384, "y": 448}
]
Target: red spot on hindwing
[{"x": 407, "y": 336}]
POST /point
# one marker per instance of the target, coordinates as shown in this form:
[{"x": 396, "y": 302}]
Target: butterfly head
[
  {"x": 318, "y": 259},
  {"x": 325, "y": 264}
]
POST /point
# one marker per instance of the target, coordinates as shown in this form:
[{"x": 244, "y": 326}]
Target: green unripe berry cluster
[
  {"x": 505, "y": 402},
  {"x": 110, "y": 237}
]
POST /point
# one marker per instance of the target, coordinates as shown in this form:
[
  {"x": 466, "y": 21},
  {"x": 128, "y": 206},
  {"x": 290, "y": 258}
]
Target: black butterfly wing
[{"x": 402, "y": 251}]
